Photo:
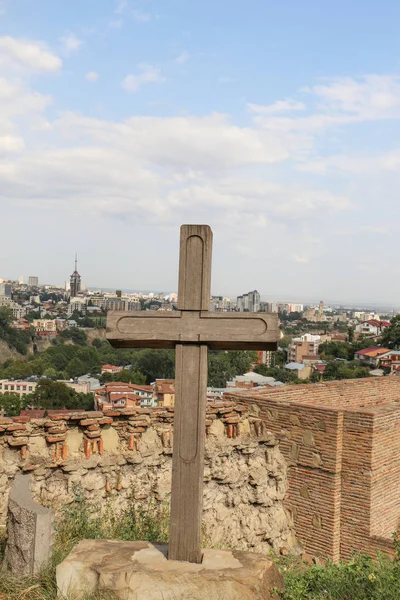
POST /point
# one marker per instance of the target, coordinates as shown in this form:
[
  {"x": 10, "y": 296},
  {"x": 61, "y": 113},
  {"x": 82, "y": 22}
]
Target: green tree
[
  {"x": 279, "y": 373},
  {"x": 11, "y": 404},
  {"x": 57, "y": 395},
  {"x": 75, "y": 368},
  {"x": 155, "y": 364},
  {"x": 391, "y": 335}
]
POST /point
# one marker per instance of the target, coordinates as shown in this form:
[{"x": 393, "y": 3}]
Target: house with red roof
[
  {"x": 370, "y": 357},
  {"x": 111, "y": 369},
  {"x": 116, "y": 394}
]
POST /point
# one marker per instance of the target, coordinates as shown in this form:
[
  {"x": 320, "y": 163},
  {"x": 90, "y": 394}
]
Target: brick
[
  {"x": 16, "y": 427},
  {"x": 92, "y": 434},
  {"x": 105, "y": 421},
  {"x": 53, "y": 439},
  {"x": 87, "y": 422}
]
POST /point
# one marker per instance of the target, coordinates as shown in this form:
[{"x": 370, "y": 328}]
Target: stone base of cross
[{"x": 191, "y": 330}]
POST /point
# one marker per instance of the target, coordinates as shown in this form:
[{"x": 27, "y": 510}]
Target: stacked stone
[{"x": 129, "y": 423}]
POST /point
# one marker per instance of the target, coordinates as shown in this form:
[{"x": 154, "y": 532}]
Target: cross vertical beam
[{"x": 190, "y": 400}]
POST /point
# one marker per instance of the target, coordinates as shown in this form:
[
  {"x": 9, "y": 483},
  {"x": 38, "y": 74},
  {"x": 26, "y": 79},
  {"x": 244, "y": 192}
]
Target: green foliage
[
  {"x": 279, "y": 373},
  {"x": 75, "y": 334},
  {"x": 344, "y": 350},
  {"x": 223, "y": 366},
  {"x": 361, "y": 578},
  {"x": 336, "y": 369},
  {"x": 127, "y": 376},
  {"x": 19, "y": 340},
  {"x": 11, "y": 403},
  {"x": 51, "y": 394},
  {"x": 391, "y": 335}
]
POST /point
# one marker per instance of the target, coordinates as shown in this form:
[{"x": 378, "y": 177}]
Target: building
[
  {"x": 33, "y": 281},
  {"x": 373, "y": 327},
  {"x": 123, "y": 303},
  {"x": 28, "y": 386},
  {"x": 116, "y": 394},
  {"x": 45, "y": 326},
  {"x": 370, "y": 357},
  {"x": 342, "y": 446},
  {"x": 5, "y": 290},
  {"x": 303, "y": 346},
  {"x": 254, "y": 301},
  {"x": 111, "y": 369},
  {"x": 390, "y": 360},
  {"x": 164, "y": 392},
  {"x": 75, "y": 281},
  {"x": 17, "y": 386},
  {"x": 249, "y": 380},
  {"x": 76, "y": 305},
  {"x": 302, "y": 371},
  {"x": 248, "y": 302},
  {"x": 19, "y": 312}
]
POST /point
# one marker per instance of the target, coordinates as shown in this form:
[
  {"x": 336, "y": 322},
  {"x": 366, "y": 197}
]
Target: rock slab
[
  {"x": 29, "y": 531},
  {"x": 141, "y": 571}
]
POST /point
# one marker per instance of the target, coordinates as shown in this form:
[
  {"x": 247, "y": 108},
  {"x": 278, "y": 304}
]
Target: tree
[
  {"x": 155, "y": 364},
  {"x": 55, "y": 394},
  {"x": 391, "y": 335},
  {"x": 126, "y": 376},
  {"x": 279, "y": 373},
  {"x": 11, "y": 404},
  {"x": 75, "y": 368},
  {"x": 351, "y": 334}
]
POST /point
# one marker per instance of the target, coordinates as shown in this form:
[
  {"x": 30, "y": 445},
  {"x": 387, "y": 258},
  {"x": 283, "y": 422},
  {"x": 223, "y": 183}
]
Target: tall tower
[
  {"x": 75, "y": 281},
  {"x": 321, "y": 310}
]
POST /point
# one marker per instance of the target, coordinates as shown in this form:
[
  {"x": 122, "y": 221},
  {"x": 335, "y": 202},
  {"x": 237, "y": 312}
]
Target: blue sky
[{"x": 275, "y": 122}]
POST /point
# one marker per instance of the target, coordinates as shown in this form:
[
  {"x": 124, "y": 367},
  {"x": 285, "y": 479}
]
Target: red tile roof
[{"x": 373, "y": 351}]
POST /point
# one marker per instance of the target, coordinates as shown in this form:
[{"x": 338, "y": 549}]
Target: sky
[{"x": 276, "y": 123}]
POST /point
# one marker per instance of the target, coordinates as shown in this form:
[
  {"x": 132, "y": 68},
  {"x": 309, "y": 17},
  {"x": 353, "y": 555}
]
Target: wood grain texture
[
  {"x": 188, "y": 453},
  {"x": 220, "y": 331},
  {"x": 194, "y": 288}
]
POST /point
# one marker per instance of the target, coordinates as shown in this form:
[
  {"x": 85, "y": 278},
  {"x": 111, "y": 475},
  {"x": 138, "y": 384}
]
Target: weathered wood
[
  {"x": 194, "y": 288},
  {"x": 188, "y": 453},
  {"x": 220, "y": 331},
  {"x": 191, "y": 330}
]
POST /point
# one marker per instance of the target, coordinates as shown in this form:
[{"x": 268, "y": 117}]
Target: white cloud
[
  {"x": 70, "y": 44},
  {"x": 183, "y": 57},
  {"x": 280, "y": 106},
  {"x": 120, "y": 6},
  {"x": 32, "y": 55},
  {"x": 141, "y": 16},
  {"x": 92, "y": 76},
  {"x": 147, "y": 74}
]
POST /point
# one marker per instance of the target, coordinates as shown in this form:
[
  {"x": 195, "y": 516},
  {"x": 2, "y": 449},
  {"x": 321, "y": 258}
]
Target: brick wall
[{"x": 342, "y": 443}]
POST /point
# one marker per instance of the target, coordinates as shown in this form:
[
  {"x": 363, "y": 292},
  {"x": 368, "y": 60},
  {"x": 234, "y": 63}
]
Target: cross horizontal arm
[{"x": 219, "y": 331}]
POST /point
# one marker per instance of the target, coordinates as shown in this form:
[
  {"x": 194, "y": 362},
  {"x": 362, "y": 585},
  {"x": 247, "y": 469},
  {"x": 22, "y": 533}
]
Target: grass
[
  {"x": 361, "y": 578},
  {"x": 77, "y": 523}
]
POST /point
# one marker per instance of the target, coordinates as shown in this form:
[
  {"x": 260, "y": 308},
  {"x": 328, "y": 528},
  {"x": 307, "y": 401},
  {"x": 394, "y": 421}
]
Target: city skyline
[{"x": 122, "y": 120}]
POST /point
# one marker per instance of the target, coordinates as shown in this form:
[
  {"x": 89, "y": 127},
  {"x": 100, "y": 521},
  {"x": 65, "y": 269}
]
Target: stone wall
[
  {"x": 342, "y": 443},
  {"x": 117, "y": 454}
]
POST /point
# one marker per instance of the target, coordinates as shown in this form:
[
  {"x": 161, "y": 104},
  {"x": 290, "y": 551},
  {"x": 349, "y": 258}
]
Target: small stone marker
[
  {"x": 191, "y": 331},
  {"x": 29, "y": 531}
]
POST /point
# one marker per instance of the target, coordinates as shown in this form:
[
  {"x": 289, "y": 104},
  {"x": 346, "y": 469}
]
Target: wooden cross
[{"x": 191, "y": 330}]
